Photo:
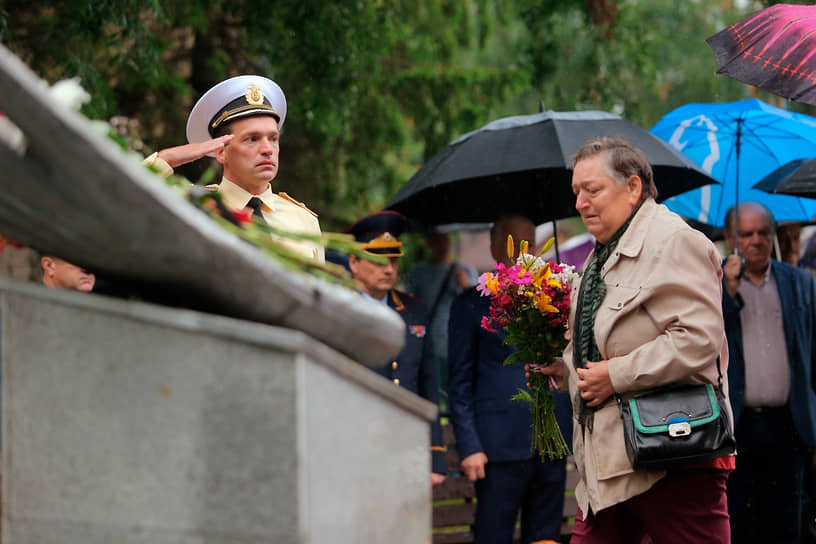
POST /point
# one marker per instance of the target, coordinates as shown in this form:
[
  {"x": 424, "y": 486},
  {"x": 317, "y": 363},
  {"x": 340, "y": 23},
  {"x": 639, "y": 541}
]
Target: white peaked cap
[{"x": 239, "y": 96}]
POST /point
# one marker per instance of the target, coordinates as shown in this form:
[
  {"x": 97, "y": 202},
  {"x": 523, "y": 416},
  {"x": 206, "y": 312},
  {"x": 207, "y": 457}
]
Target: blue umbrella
[{"x": 738, "y": 143}]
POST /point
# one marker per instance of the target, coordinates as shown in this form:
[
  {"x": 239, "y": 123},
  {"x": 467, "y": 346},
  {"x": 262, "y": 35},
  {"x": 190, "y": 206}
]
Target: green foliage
[
  {"x": 108, "y": 44},
  {"x": 546, "y": 345},
  {"x": 523, "y": 395},
  {"x": 653, "y": 60},
  {"x": 375, "y": 88}
]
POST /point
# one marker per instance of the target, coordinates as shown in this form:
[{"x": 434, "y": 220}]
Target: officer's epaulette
[
  {"x": 293, "y": 201},
  {"x": 397, "y": 296},
  {"x": 410, "y": 296},
  {"x": 398, "y": 305},
  {"x": 212, "y": 188}
]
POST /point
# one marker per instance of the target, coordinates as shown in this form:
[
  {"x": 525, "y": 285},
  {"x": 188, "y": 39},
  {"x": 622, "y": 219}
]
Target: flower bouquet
[{"x": 530, "y": 302}]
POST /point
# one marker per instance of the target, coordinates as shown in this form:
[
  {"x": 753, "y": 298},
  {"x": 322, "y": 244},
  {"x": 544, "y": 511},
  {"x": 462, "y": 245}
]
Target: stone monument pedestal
[{"x": 125, "y": 422}]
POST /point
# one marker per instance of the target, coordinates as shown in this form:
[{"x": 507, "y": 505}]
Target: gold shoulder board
[{"x": 293, "y": 201}]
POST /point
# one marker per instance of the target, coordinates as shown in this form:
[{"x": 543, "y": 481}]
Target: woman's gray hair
[{"x": 623, "y": 160}]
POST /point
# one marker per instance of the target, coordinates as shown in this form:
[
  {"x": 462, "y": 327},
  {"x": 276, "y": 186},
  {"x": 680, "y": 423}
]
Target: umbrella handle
[{"x": 742, "y": 263}]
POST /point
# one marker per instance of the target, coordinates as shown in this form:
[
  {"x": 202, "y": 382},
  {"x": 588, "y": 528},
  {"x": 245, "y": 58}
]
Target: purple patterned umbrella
[{"x": 774, "y": 49}]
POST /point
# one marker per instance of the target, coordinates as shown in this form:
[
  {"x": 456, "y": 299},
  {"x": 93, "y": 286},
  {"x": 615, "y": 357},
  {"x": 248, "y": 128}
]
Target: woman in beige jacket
[{"x": 647, "y": 313}]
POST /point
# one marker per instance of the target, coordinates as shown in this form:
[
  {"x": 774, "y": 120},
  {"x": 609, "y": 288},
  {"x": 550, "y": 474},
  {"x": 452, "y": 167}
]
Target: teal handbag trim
[{"x": 654, "y": 429}]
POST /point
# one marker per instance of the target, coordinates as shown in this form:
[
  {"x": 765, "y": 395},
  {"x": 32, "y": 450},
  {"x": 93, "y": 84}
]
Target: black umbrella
[
  {"x": 798, "y": 177},
  {"x": 521, "y": 165}
]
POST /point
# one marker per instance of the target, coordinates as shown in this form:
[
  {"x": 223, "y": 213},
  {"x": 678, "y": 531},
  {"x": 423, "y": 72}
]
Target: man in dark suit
[
  {"x": 414, "y": 367},
  {"x": 493, "y": 432},
  {"x": 769, "y": 309}
]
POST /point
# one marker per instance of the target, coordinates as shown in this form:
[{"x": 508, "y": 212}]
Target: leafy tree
[
  {"x": 648, "y": 59},
  {"x": 374, "y": 88}
]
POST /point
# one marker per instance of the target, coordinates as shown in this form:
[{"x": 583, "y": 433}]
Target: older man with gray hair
[{"x": 770, "y": 321}]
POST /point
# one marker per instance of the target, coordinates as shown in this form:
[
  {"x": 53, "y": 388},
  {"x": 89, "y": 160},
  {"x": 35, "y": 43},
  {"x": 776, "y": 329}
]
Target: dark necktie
[{"x": 255, "y": 204}]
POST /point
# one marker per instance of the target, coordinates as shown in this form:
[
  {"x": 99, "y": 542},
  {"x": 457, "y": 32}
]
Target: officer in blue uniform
[
  {"x": 492, "y": 431},
  {"x": 414, "y": 367}
]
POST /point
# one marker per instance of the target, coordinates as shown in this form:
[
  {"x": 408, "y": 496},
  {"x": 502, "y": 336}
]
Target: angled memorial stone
[{"x": 74, "y": 193}]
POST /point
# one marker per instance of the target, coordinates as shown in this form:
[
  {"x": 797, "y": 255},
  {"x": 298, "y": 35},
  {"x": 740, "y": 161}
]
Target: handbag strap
[{"x": 719, "y": 376}]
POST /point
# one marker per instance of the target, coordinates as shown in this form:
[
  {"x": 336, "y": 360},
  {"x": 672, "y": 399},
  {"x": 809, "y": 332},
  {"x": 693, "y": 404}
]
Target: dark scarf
[{"x": 590, "y": 296}]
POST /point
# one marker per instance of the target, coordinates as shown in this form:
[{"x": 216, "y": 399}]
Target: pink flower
[{"x": 486, "y": 324}]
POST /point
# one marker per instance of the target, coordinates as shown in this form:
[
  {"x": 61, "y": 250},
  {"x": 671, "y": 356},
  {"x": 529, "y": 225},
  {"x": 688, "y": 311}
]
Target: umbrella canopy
[
  {"x": 738, "y": 143},
  {"x": 522, "y": 165},
  {"x": 773, "y": 49},
  {"x": 794, "y": 178}
]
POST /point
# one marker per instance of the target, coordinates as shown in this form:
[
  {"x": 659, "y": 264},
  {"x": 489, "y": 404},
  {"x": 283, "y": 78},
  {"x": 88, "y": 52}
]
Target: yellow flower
[
  {"x": 540, "y": 275},
  {"x": 492, "y": 283},
  {"x": 511, "y": 248},
  {"x": 544, "y": 305}
]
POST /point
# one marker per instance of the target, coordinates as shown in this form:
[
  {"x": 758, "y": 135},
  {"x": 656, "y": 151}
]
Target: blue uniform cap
[{"x": 379, "y": 233}]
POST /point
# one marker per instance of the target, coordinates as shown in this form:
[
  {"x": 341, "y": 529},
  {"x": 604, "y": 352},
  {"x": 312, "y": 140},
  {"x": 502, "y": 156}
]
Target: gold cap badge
[{"x": 254, "y": 96}]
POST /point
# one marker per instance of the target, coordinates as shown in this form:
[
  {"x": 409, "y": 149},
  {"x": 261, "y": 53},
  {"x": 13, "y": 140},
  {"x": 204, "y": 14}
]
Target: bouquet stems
[{"x": 547, "y": 437}]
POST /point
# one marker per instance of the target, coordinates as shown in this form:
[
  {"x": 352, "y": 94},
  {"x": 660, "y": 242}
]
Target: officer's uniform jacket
[{"x": 414, "y": 368}]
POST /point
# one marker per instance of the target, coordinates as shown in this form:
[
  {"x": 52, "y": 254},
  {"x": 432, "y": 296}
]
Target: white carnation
[
  {"x": 567, "y": 274},
  {"x": 69, "y": 93}
]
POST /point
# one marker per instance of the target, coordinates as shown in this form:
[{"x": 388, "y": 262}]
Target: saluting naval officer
[
  {"x": 414, "y": 368},
  {"x": 238, "y": 121}
]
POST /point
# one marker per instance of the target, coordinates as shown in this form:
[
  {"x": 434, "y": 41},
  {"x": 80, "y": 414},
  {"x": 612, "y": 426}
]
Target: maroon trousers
[{"x": 688, "y": 506}]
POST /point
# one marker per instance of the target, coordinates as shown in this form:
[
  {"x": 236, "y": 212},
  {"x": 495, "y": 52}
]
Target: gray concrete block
[{"x": 126, "y": 422}]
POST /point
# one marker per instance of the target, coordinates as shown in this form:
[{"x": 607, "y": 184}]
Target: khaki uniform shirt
[{"x": 279, "y": 210}]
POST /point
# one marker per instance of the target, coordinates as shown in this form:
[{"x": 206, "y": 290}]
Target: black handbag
[{"x": 677, "y": 424}]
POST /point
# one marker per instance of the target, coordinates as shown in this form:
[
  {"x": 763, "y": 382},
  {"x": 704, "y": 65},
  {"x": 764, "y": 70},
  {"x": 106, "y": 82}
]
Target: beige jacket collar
[{"x": 631, "y": 243}]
